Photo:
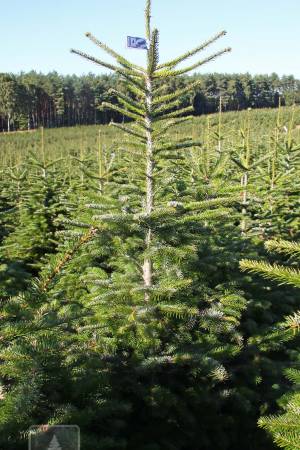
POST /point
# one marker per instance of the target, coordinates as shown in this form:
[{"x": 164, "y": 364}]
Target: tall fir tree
[{"x": 149, "y": 339}]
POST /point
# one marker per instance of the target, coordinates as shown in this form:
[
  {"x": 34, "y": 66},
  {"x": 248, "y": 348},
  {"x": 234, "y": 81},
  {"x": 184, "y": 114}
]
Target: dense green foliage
[
  {"x": 105, "y": 396},
  {"x": 30, "y": 100},
  {"x": 286, "y": 427},
  {"x": 123, "y": 307}
]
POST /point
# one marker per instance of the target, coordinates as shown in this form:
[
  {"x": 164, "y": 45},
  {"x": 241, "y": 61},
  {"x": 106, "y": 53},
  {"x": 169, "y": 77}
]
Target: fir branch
[
  {"x": 282, "y": 246},
  {"x": 130, "y": 76},
  {"x": 120, "y": 59},
  {"x": 134, "y": 104},
  {"x": 172, "y": 123},
  {"x": 173, "y": 73},
  {"x": 153, "y": 54},
  {"x": 162, "y": 109},
  {"x": 189, "y": 54},
  {"x": 174, "y": 114},
  {"x": 148, "y": 19},
  {"x": 293, "y": 321},
  {"x": 158, "y": 109},
  {"x": 125, "y": 72},
  {"x": 178, "y": 146},
  {"x": 178, "y": 93},
  {"x": 284, "y": 275},
  {"x": 293, "y": 374},
  {"x": 177, "y": 310},
  {"x": 128, "y": 131},
  {"x": 114, "y": 218},
  {"x": 44, "y": 284},
  {"x": 130, "y": 106},
  {"x": 134, "y": 89},
  {"x": 122, "y": 111},
  {"x": 209, "y": 215},
  {"x": 212, "y": 202}
]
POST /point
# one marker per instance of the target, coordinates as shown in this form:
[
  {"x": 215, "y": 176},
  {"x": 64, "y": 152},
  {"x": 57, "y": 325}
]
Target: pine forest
[{"x": 149, "y": 274}]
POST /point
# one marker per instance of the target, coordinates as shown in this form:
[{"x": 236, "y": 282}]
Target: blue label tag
[{"x": 136, "y": 42}]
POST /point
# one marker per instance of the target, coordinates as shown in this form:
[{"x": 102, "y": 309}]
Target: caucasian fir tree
[{"x": 125, "y": 334}]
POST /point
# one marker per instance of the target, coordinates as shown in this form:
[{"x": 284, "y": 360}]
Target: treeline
[{"x": 30, "y": 100}]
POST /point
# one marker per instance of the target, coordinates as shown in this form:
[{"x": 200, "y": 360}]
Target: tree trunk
[
  {"x": 244, "y": 184},
  {"x": 147, "y": 267},
  {"x": 8, "y": 122}
]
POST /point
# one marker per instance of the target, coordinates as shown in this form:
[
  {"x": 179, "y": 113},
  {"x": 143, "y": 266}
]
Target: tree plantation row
[
  {"x": 202, "y": 359},
  {"x": 30, "y": 100}
]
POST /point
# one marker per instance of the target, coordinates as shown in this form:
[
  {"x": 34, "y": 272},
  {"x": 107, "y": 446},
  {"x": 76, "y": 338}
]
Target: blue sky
[{"x": 264, "y": 34}]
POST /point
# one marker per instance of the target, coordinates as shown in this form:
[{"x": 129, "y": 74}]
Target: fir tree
[
  {"x": 155, "y": 336},
  {"x": 37, "y": 206},
  {"x": 160, "y": 315},
  {"x": 284, "y": 428},
  {"x": 133, "y": 330},
  {"x": 148, "y": 113}
]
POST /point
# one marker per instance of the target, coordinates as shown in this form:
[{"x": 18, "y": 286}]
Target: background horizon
[
  {"x": 51, "y": 32},
  {"x": 103, "y": 72}
]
